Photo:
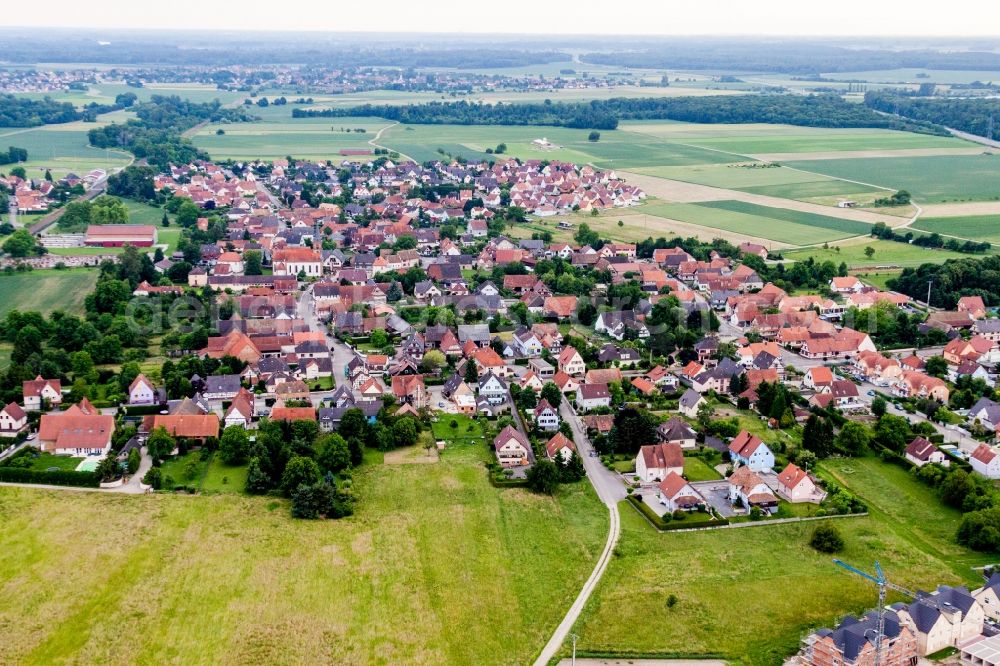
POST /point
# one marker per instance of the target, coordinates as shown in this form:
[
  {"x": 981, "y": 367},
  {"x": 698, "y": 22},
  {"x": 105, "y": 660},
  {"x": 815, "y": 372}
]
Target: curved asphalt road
[{"x": 611, "y": 491}]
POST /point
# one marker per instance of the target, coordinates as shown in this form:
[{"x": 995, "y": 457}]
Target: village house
[
  {"x": 986, "y": 461},
  {"x": 39, "y": 392},
  {"x": 749, "y": 450},
  {"x": 947, "y": 617},
  {"x": 677, "y": 431},
  {"x": 675, "y": 493},
  {"x": 592, "y": 396},
  {"x": 512, "y": 448},
  {"x": 142, "y": 392},
  {"x": 921, "y": 451},
  {"x": 492, "y": 388},
  {"x": 689, "y": 403},
  {"x": 571, "y": 362},
  {"x": 546, "y": 416},
  {"x": 79, "y": 431},
  {"x": 795, "y": 485},
  {"x": 749, "y": 490},
  {"x": 560, "y": 445},
  {"x": 13, "y": 420},
  {"x": 655, "y": 461}
]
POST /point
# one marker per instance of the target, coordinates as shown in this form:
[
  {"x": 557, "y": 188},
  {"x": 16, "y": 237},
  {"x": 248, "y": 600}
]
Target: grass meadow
[
  {"x": 46, "y": 291},
  {"x": 975, "y": 227},
  {"x": 714, "y": 574},
  {"x": 436, "y": 566},
  {"x": 887, "y": 253}
]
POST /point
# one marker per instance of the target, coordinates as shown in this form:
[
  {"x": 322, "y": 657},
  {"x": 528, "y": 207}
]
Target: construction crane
[{"x": 880, "y": 580}]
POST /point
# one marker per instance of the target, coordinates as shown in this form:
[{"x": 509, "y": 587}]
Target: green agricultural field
[
  {"x": 46, "y": 291},
  {"x": 716, "y": 574},
  {"x": 929, "y": 179},
  {"x": 433, "y": 556},
  {"x": 60, "y": 150},
  {"x": 759, "y": 138},
  {"x": 278, "y": 135},
  {"x": 774, "y": 181},
  {"x": 887, "y": 253},
  {"x": 778, "y": 224},
  {"x": 615, "y": 148},
  {"x": 974, "y": 227}
]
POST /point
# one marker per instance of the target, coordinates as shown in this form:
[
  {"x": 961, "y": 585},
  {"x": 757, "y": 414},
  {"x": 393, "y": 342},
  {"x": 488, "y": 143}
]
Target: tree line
[
  {"x": 804, "y": 110},
  {"x": 156, "y": 132},
  {"x": 968, "y": 115},
  {"x": 952, "y": 280}
]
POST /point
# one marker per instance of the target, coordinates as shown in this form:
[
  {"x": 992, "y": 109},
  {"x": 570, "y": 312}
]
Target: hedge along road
[{"x": 610, "y": 491}]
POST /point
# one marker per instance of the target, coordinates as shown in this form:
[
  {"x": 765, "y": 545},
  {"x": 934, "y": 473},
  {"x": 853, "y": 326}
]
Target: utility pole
[
  {"x": 929, "y": 283},
  {"x": 574, "y": 637}
]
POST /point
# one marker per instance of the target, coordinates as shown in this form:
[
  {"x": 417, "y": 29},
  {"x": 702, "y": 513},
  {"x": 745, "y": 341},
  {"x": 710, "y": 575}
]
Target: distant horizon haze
[{"x": 846, "y": 19}]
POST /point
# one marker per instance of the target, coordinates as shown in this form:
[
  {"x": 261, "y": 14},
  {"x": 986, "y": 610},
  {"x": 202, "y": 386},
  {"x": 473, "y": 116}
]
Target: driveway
[{"x": 716, "y": 493}]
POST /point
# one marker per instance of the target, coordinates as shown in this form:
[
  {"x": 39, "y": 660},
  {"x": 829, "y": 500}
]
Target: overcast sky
[{"x": 646, "y": 17}]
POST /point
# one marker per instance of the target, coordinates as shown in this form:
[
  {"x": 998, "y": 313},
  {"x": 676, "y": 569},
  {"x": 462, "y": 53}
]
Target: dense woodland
[
  {"x": 804, "y": 110},
  {"x": 156, "y": 132},
  {"x": 951, "y": 280},
  {"x": 18, "y": 111},
  {"x": 967, "y": 115}
]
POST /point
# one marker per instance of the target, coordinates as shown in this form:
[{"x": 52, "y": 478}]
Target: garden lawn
[
  {"x": 975, "y": 227},
  {"x": 928, "y": 179},
  {"x": 46, "y": 290},
  {"x": 696, "y": 469},
  {"x": 433, "y": 557},
  {"x": 176, "y": 469},
  {"x": 467, "y": 431},
  {"x": 45, "y": 461},
  {"x": 746, "y": 595},
  {"x": 223, "y": 478}
]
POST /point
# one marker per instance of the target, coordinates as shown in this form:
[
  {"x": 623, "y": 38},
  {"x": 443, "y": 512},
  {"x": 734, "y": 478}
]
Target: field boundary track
[{"x": 684, "y": 192}]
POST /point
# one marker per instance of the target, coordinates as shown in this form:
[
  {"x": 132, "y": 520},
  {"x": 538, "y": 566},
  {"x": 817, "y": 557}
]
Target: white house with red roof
[
  {"x": 677, "y": 494},
  {"x": 13, "y": 420},
  {"x": 560, "y": 445},
  {"x": 795, "y": 485},
  {"x": 749, "y": 450},
  {"x": 141, "y": 391},
  {"x": 39, "y": 390},
  {"x": 571, "y": 362},
  {"x": 546, "y": 416},
  {"x": 986, "y": 461},
  {"x": 655, "y": 461}
]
